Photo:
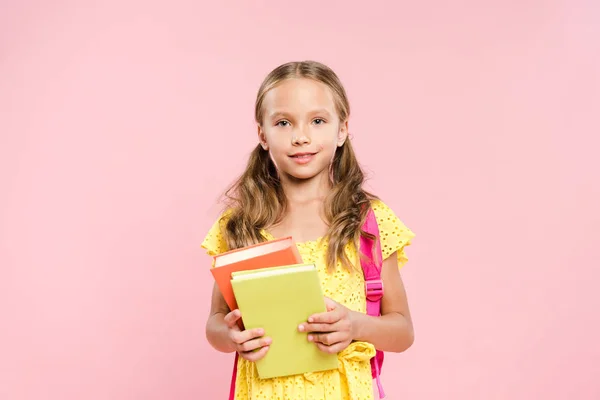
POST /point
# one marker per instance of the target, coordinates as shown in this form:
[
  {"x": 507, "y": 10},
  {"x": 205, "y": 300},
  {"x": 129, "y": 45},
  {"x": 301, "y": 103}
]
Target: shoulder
[
  {"x": 386, "y": 217},
  {"x": 382, "y": 211},
  {"x": 215, "y": 241},
  {"x": 394, "y": 234}
]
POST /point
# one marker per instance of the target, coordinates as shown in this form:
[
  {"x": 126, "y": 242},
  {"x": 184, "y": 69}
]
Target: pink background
[{"x": 121, "y": 123}]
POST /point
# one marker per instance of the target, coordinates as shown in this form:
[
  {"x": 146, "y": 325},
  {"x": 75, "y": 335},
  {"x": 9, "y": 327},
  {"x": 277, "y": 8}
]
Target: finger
[
  {"x": 249, "y": 334},
  {"x": 254, "y": 356},
  {"x": 330, "y": 304},
  {"x": 254, "y": 344},
  {"x": 342, "y": 325},
  {"x": 329, "y": 317},
  {"x": 328, "y": 339},
  {"x": 317, "y": 327},
  {"x": 334, "y": 349},
  {"x": 232, "y": 318}
]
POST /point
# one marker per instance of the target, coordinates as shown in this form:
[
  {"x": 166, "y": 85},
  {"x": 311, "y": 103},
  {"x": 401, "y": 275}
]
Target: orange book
[{"x": 274, "y": 253}]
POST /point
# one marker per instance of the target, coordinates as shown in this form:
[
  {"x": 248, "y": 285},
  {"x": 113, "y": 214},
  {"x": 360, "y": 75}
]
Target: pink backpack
[{"x": 374, "y": 292}]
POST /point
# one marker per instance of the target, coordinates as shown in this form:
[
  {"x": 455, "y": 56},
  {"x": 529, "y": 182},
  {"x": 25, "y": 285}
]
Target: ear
[
  {"x": 262, "y": 138},
  {"x": 342, "y": 133}
]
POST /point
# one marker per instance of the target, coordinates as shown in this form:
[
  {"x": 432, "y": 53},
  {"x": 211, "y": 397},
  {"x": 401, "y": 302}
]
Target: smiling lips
[{"x": 302, "y": 158}]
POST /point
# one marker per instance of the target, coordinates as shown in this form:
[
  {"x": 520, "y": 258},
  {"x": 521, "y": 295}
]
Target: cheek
[
  {"x": 273, "y": 144},
  {"x": 328, "y": 147}
]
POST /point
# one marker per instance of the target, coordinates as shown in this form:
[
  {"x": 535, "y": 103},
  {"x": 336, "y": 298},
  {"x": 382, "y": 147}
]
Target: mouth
[{"x": 302, "y": 157}]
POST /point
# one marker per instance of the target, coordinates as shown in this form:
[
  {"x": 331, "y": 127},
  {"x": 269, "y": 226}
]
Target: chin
[{"x": 304, "y": 175}]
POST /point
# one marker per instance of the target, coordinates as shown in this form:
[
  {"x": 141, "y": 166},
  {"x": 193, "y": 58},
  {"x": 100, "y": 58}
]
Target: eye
[
  {"x": 282, "y": 123},
  {"x": 319, "y": 121}
]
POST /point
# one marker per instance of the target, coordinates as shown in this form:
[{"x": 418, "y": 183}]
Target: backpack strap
[
  {"x": 371, "y": 265},
  {"x": 233, "y": 377},
  {"x": 371, "y": 259}
]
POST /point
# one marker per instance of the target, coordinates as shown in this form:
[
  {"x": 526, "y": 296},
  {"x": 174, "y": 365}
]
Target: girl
[{"x": 303, "y": 180}]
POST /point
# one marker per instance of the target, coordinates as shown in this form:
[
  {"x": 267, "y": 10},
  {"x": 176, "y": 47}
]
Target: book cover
[
  {"x": 272, "y": 253},
  {"x": 278, "y": 300}
]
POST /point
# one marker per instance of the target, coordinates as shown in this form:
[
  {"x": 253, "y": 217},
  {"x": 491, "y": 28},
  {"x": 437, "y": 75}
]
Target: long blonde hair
[{"x": 256, "y": 200}]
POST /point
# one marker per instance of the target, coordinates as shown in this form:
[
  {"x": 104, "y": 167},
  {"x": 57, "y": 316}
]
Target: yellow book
[{"x": 279, "y": 299}]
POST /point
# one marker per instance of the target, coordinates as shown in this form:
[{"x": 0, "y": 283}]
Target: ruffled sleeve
[
  {"x": 214, "y": 242},
  {"x": 395, "y": 236}
]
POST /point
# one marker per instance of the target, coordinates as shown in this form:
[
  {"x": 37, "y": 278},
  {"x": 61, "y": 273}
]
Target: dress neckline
[{"x": 305, "y": 243}]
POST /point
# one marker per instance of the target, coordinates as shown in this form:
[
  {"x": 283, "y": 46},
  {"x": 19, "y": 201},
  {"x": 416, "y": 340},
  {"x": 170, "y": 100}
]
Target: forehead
[{"x": 299, "y": 95}]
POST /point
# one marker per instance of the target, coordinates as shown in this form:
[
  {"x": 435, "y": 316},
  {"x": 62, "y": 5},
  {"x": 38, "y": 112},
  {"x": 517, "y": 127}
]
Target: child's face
[{"x": 301, "y": 128}]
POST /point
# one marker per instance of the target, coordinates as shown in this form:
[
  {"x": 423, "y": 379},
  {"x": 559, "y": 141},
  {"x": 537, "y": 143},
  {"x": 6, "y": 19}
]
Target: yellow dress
[{"x": 352, "y": 380}]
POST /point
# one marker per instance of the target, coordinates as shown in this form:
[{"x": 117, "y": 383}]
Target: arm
[
  {"x": 393, "y": 330},
  {"x": 224, "y": 334},
  {"x": 217, "y": 331}
]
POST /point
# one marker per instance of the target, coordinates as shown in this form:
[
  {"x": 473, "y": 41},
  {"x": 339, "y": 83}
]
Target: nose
[{"x": 300, "y": 137}]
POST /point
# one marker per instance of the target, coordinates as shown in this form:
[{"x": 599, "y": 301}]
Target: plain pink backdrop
[{"x": 121, "y": 122}]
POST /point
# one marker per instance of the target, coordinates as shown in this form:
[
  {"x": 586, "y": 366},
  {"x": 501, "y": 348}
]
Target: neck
[{"x": 306, "y": 190}]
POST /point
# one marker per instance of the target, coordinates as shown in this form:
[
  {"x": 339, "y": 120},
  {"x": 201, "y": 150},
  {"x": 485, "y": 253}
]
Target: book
[
  {"x": 272, "y": 253},
  {"x": 279, "y": 299}
]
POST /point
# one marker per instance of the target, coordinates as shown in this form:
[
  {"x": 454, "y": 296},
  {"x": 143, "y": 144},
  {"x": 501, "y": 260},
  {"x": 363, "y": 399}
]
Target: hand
[
  {"x": 331, "y": 331},
  {"x": 250, "y": 344}
]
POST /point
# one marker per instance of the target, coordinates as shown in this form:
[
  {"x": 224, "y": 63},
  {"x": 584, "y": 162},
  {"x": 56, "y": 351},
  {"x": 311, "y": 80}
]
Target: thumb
[
  {"x": 330, "y": 304},
  {"x": 232, "y": 318}
]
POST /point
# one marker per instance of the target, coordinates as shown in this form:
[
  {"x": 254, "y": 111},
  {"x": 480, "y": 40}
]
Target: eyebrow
[{"x": 280, "y": 113}]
